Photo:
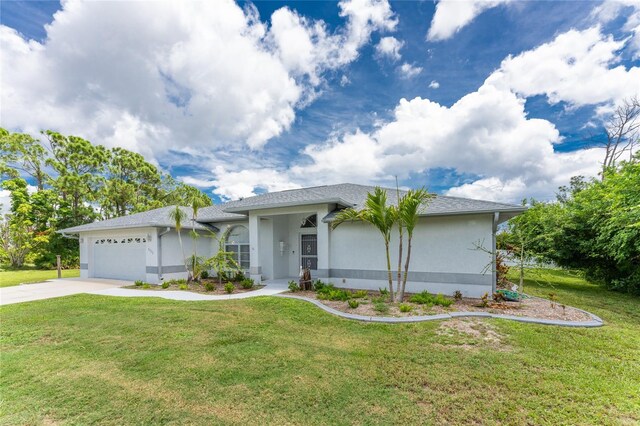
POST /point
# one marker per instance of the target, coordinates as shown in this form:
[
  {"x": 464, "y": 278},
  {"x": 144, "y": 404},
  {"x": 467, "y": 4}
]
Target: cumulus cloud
[
  {"x": 452, "y": 15},
  {"x": 219, "y": 77},
  {"x": 408, "y": 70},
  {"x": 389, "y": 47},
  {"x": 611, "y": 9},
  {"x": 577, "y": 67},
  {"x": 487, "y": 133},
  {"x": 231, "y": 185},
  {"x": 434, "y": 85}
]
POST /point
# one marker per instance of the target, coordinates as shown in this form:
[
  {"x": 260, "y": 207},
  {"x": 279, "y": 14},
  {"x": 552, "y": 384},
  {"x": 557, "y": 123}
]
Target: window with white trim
[{"x": 238, "y": 244}]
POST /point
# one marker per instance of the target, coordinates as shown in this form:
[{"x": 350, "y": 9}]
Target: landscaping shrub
[
  {"x": 381, "y": 307},
  {"x": 329, "y": 292},
  {"x": 166, "y": 284},
  {"x": 247, "y": 283},
  {"x": 138, "y": 283},
  {"x": 353, "y": 303},
  {"x": 204, "y": 274},
  {"x": 457, "y": 295},
  {"x": 318, "y": 285},
  {"x": 146, "y": 285},
  {"x": 425, "y": 298},
  {"x": 209, "y": 286},
  {"x": 229, "y": 287},
  {"x": 183, "y": 286},
  {"x": 405, "y": 308},
  {"x": 383, "y": 291},
  {"x": 239, "y": 276},
  {"x": 360, "y": 294},
  {"x": 484, "y": 300},
  {"x": 293, "y": 286}
]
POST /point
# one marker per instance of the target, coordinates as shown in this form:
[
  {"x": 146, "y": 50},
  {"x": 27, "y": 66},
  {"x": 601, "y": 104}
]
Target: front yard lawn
[
  {"x": 94, "y": 359},
  {"x": 10, "y": 278}
]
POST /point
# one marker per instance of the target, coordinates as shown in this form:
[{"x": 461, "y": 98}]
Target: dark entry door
[{"x": 309, "y": 251}]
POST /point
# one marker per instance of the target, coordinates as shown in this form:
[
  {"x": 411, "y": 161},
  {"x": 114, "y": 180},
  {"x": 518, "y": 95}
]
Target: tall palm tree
[
  {"x": 377, "y": 213},
  {"x": 408, "y": 213},
  {"x": 178, "y": 216}
]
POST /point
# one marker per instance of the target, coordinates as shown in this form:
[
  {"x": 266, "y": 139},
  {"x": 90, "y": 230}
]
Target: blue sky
[{"x": 257, "y": 117}]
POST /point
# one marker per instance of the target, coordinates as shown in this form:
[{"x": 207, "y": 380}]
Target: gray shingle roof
[
  {"x": 154, "y": 218},
  {"x": 344, "y": 195},
  {"x": 352, "y": 195}
]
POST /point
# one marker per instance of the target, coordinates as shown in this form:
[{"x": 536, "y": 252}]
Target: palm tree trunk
[
  {"x": 184, "y": 257},
  {"x": 400, "y": 292},
  {"x": 406, "y": 264},
  {"x": 386, "y": 246}
]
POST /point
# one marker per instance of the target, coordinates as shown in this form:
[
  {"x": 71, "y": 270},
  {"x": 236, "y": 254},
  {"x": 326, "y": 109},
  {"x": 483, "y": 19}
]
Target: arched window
[{"x": 238, "y": 244}]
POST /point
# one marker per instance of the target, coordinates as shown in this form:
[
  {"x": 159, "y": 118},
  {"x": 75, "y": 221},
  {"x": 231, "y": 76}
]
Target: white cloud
[
  {"x": 452, "y": 15},
  {"x": 219, "y": 77},
  {"x": 389, "y": 47},
  {"x": 487, "y": 132},
  {"x": 244, "y": 183},
  {"x": 611, "y": 9},
  {"x": 408, "y": 70},
  {"x": 344, "y": 81},
  {"x": 434, "y": 85},
  {"x": 578, "y": 67}
]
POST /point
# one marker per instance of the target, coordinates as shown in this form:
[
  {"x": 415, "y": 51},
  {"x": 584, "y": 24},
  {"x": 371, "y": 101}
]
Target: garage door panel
[{"x": 120, "y": 258}]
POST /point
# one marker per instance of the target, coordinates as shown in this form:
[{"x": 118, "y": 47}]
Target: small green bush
[
  {"x": 166, "y": 284},
  {"x": 383, "y": 291},
  {"x": 204, "y": 274},
  {"x": 405, "y": 308},
  {"x": 353, "y": 303},
  {"x": 293, "y": 286},
  {"x": 425, "y": 298},
  {"x": 209, "y": 286},
  {"x": 381, "y": 307},
  {"x": 229, "y": 287},
  {"x": 457, "y": 295},
  {"x": 379, "y": 299},
  {"x": 146, "y": 285},
  {"x": 334, "y": 294},
  {"x": 138, "y": 283},
  {"x": 318, "y": 285},
  {"x": 360, "y": 294},
  {"x": 183, "y": 286},
  {"x": 179, "y": 281},
  {"x": 247, "y": 283},
  {"x": 239, "y": 276}
]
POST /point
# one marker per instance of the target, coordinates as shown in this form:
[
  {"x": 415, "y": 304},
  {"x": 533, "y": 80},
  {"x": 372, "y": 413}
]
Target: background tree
[{"x": 622, "y": 130}]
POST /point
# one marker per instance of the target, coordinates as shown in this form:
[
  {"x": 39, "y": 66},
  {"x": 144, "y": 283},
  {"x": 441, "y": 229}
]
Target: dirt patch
[{"x": 371, "y": 306}]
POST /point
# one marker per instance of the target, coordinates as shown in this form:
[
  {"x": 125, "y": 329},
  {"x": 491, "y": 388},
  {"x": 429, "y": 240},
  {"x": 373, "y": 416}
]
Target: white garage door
[{"x": 121, "y": 258}]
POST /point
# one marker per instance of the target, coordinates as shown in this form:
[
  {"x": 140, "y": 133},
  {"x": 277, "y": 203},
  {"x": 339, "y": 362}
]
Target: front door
[{"x": 309, "y": 251}]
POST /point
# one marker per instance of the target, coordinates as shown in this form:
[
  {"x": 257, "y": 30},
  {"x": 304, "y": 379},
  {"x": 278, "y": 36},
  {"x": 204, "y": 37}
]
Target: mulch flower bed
[
  {"x": 200, "y": 287},
  {"x": 529, "y": 307}
]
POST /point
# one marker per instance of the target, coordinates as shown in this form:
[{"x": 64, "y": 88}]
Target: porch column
[
  {"x": 255, "y": 270},
  {"x": 323, "y": 243}
]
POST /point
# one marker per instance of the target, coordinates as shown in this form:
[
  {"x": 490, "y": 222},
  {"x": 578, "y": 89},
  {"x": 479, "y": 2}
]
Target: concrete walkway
[
  {"x": 594, "y": 322},
  {"x": 55, "y": 288}
]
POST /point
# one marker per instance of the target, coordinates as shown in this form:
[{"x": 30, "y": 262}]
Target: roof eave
[{"x": 247, "y": 209}]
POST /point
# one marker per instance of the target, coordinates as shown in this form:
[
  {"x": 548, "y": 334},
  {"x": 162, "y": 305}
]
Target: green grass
[
  {"x": 11, "y": 278},
  {"x": 94, "y": 359}
]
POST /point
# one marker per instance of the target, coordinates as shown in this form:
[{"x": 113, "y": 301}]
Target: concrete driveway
[{"x": 56, "y": 288}]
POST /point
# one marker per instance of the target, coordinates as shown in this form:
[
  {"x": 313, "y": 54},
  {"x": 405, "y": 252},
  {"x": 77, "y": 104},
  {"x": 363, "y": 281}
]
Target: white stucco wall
[
  {"x": 172, "y": 260},
  {"x": 442, "y": 254}
]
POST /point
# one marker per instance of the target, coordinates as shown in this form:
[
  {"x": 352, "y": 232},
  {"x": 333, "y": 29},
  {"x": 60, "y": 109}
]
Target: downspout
[
  {"x": 496, "y": 219},
  {"x": 160, "y": 234}
]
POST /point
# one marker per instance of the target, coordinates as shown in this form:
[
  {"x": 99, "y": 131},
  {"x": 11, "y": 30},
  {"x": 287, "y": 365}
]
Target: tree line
[{"x": 75, "y": 182}]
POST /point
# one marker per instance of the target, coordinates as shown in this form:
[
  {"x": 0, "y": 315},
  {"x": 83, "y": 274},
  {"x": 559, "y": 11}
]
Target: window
[
  {"x": 238, "y": 244},
  {"x": 310, "y": 222}
]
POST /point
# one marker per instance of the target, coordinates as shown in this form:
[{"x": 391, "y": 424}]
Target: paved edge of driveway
[{"x": 595, "y": 320}]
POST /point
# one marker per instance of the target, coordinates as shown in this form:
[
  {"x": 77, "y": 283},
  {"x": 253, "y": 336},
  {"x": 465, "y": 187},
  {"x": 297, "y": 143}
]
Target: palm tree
[
  {"x": 408, "y": 213},
  {"x": 377, "y": 213},
  {"x": 178, "y": 216}
]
